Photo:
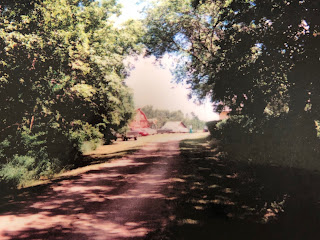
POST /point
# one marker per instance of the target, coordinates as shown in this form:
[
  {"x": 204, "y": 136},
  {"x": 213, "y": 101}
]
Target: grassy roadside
[
  {"x": 217, "y": 198},
  {"x": 95, "y": 159},
  {"x": 103, "y": 154}
]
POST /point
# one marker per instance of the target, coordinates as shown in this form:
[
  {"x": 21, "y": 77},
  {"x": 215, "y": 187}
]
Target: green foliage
[
  {"x": 241, "y": 52},
  {"x": 18, "y": 171},
  {"x": 213, "y": 128},
  {"x": 195, "y": 122},
  {"x": 61, "y": 80},
  {"x": 162, "y": 116},
  {"x": 274, "y": 142},
  {"x": 258, "y": 58}
]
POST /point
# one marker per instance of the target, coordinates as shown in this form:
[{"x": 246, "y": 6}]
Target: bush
[
  {"x": 274, "y": 141},
  {"x": 26, "y": 155},
  {"x": 212, "y": 127},
  {"x": 18, "y": 171}
]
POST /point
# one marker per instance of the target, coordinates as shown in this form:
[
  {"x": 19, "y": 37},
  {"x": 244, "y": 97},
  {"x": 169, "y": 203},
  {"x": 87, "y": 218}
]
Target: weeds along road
[{"x": 120, "y": 199}]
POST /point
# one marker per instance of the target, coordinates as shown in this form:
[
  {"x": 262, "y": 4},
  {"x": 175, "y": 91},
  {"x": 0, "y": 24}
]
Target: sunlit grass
[{"x": 118, "y": 149}]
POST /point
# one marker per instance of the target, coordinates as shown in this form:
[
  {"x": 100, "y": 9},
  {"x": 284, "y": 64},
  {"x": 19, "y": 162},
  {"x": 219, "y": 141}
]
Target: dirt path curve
[{"x": 125, "y": 198}]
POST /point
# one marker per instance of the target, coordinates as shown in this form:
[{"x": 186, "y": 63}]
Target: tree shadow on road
[
  {"x": 195, "y": 195},
  {"x": 119, "y": 200},
  {"x": 101, "y": 158},
  {"x": 216, "y": 198}
]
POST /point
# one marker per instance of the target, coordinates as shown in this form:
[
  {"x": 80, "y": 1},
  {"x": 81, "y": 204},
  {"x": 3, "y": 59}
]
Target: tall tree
[
  {"x": 241, "y": 52},
  {"x": 258, "y": 58},
  {"x": 61, "y": 77}
]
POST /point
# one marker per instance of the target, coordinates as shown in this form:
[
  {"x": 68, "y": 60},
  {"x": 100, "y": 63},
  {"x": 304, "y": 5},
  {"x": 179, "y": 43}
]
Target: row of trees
[
  {"x": 61, "y": 82},
  {"x": 62, "y": 72},
  {"x": 164, "y": 116},
  {"x": 258, "y": 58}
]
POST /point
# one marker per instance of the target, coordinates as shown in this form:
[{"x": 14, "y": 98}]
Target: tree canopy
[
  {"x": 61, "y": 80},
  {"x": 258, "y": 58},
  {"x": 239, "y": 52}
]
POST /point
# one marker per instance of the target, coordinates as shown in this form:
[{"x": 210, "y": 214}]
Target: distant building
[
  {"x": 223, "y": 115},
  {"x": 176, "y": 126},
  {"x": 140, "y": 120}
]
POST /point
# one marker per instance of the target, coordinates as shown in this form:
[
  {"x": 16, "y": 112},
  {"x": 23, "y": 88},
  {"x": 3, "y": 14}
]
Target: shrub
[
  {"x": 212, "y": 127},
  {"x": 276, "y": 141},
  {"x": 18, "y": 171},
  {"x": 26, "y": 155}
]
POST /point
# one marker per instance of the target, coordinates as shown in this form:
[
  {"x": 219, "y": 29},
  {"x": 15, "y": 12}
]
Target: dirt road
[{"x": 124, "y": 198}]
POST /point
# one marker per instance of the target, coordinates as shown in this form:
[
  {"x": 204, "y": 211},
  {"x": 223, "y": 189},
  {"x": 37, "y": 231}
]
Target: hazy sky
[{"x": 153, "y": 85}]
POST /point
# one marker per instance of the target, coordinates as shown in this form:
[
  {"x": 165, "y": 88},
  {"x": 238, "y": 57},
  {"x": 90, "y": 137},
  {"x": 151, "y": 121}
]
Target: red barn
[{"x": 139, "y": 121}]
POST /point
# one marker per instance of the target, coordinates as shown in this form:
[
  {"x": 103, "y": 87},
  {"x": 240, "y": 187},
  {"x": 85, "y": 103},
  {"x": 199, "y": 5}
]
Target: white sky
[{"x": 153, "y": 85}]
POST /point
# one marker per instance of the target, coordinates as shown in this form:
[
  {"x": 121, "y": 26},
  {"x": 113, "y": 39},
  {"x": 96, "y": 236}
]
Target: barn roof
[
  {"x": 140, "y": 120},
  {"x": 174, "y": 125}
]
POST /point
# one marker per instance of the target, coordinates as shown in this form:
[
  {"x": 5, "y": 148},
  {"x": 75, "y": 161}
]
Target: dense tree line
[
  {"x": 258, "y": 58},
  {"x": 61, "y": 82},
  {"x": 164, "y": 116}
]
